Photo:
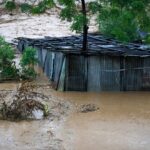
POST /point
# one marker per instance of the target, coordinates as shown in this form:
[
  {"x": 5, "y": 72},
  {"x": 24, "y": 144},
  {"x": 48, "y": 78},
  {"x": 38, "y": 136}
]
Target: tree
[{"x": 127, "y": 20}]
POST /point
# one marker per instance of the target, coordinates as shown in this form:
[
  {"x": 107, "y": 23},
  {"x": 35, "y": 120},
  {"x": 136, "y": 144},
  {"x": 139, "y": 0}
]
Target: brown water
[{"x": 121, "y": 123}]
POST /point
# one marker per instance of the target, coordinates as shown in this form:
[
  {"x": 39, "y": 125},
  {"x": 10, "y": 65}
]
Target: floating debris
[
  {"x": 24, "y": 104},
  {"x": 88, "y": 108}
]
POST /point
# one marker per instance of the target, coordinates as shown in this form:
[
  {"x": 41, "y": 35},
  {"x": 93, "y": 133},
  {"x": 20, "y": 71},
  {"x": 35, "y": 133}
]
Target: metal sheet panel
[
  {"x": 146, "y": 74},
  {"x": 94, "y": 73},
  {"x": 133, "y": 73},
  {"x": 103, "y": 73},
  {"x": 44, "y": 53},
  {"x": 61, "y": 84},
  {"x": 110, "y": 73},
  {"x": 47, "y": 67},
  {"x": 58, "y": 62},
  {"x": 40, "y": 59},
  {"x": 75, "y": 73}
]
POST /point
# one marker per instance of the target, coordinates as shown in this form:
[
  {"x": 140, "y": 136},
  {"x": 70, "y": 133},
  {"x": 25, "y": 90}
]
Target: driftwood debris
[{"x": 23, "y": 103}]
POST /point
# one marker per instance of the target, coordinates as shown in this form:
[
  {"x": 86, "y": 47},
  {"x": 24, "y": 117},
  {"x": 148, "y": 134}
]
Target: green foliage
[
  {"x": 94, "y": 7},
  {"x": 10, "y": 72},
  {"x": 27, "y": 62},
  {"x": 7, "y": 66},
  {"x": 28, "y": 57},
  {"x": 10, "y": 5},
  {"x": 68, "y": 13},
  {"x": 28, "y": 74},
  {"x": 43, "y": 6},
  {"x": 78, "y": 21},
  {"x": 40, "y": 8},
  {"x": 6, "y": 51},
  {"x": 71, "y": 12},
  {"x": 122, "y": 26},
  {"x": 147, "y": 39},
  {"x": 49, "y": 3},
  {"x": 122, "y": 19},
  {"x": 25, "y": 8},
  {"x": 67, "y": 3}
]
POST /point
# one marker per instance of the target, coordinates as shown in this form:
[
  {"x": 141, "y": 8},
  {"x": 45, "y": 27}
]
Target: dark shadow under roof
[{"x": 97, "y": 44}]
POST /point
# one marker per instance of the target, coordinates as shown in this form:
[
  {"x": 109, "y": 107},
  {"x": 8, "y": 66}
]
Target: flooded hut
[{"x": 107, "y": 65}]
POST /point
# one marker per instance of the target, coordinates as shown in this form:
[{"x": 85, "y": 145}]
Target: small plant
[
  {"x": 27, "y": 62},
  {"x": 40, "y": 8},
  {"x": 10, "y": 5}
]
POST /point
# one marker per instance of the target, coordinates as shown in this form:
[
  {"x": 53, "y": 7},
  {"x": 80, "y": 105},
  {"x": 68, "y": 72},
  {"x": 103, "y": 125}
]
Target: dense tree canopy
[{"x": 127, "y": 20}]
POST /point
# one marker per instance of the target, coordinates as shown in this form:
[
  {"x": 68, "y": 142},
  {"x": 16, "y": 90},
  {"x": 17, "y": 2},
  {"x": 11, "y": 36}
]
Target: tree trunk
[{"x": 85, "y": 27}]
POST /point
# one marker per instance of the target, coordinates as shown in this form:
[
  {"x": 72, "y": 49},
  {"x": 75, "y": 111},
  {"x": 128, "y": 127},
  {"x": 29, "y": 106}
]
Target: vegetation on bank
[
  {"x": 8, "y": 69},
  {"x": 27, "y": 63}
]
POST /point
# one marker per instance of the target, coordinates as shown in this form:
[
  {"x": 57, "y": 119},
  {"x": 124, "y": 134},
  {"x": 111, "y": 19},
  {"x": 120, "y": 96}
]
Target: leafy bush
[
  {"x": 26, "y": 8},
  {"x": 40, "y": 8},
  {"x": 28, "y": 74},
  {"x": 7, "y": 66},
  {"x": 10, "y": 72},
  {"x": 27, "y": 62},
  {"x": 10, "y": 5}
]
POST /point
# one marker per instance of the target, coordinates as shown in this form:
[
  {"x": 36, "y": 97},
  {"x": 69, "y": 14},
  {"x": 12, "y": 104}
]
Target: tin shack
[{"x": 107, "y": 65}]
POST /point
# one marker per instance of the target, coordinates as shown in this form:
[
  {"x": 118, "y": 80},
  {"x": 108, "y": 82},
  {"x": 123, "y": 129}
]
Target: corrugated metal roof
[{"x": 97, "y": 44}]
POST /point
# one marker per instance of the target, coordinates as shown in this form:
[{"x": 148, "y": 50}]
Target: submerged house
[{"x": 108, "y": 65}]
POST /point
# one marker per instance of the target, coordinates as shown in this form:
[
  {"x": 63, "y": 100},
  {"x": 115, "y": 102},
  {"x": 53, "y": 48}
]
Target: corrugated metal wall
[
  {"x": 61, "y": 83},
  {"x": 110, "y": 73},
  {"x": 93, "y": 73},
  {"x": 48, "y": 66},
  {"x": 58, "y": 63},
  {"x": 75, "y": 73},
  {"x": 133, "y": 73},
  {"x": 103, "y": 73},
  {"x": 106, "y": 73},
  {"x": 40, "y": 58},
  {"x": 146, "y": 74}
]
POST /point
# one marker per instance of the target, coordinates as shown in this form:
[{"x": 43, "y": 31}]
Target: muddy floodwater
[{"x": 122, "y": 122}]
